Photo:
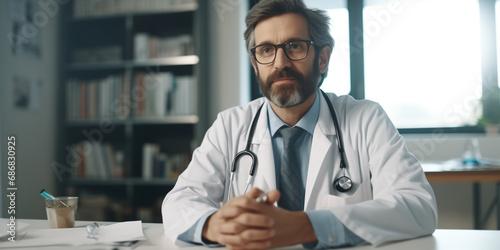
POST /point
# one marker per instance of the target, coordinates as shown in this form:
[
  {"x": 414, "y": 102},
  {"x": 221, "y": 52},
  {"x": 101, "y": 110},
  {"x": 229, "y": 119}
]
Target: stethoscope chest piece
[{"x": 343, "y": 184}]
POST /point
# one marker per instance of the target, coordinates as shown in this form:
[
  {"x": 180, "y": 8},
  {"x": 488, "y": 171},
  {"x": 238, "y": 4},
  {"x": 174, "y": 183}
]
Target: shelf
[
  {"x": 173, "y": 119},
  {"x": 153, "y": 62},
  {"x": 169, "y": 61},
  {"x": 98, "y": 66},
  {"x": 191, "y": 7},
  {"x": 122, "y": 181},
  {"x": 184, "y": 119},
  {"x": 96, "y": 122}
]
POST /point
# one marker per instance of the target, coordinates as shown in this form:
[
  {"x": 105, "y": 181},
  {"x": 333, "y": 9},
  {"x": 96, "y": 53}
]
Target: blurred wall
[
  {"x": 28, "y": 99},
  {"x": 229, "y": 61}
]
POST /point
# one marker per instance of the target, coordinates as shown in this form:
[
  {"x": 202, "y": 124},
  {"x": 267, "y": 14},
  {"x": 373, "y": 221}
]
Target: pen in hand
[{"x": 262, "y": 198}]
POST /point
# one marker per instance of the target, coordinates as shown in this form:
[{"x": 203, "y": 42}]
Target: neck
[{"x": 292, "y": 115}]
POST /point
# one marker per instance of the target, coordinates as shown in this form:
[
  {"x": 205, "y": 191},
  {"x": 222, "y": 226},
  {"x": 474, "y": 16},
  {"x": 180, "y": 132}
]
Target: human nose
[{"x": 281, "y": 61}]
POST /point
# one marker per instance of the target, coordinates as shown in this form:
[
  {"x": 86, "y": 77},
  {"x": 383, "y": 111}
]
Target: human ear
[
  {"x": 254, "y": 65},
  {"x": 324, "y": 59}
]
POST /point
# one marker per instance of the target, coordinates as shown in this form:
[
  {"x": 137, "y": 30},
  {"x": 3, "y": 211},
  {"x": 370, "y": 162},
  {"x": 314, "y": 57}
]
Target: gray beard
[{"x": 293, "y": 100}]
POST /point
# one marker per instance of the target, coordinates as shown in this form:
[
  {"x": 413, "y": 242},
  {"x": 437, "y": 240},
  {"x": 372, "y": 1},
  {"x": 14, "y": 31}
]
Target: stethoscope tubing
[
  {"x": 246, "y": 152},
  {"x": 337, "y": 130}
]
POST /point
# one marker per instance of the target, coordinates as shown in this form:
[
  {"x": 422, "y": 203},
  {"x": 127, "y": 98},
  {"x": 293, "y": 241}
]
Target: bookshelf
[{"x": 133, "y": 97}]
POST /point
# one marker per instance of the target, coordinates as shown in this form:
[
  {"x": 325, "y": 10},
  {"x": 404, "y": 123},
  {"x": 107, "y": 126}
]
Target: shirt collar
[{"x": 307, "y": 122}]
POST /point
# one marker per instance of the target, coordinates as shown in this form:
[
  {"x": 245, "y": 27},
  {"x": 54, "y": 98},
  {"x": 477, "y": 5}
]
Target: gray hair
[{"x": 317, "y": 20}]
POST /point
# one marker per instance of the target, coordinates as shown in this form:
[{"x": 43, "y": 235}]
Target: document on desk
[{"x": 108, "y": 234}]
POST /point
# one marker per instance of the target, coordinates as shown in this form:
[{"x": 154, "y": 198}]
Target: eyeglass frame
[{"x": 282, "y": 46}]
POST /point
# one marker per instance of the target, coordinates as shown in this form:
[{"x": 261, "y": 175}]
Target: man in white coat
[{"x": 383, "y": 197}]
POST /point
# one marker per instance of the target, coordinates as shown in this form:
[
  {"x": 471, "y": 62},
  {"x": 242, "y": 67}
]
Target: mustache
[{"x": 286, "y": 72}]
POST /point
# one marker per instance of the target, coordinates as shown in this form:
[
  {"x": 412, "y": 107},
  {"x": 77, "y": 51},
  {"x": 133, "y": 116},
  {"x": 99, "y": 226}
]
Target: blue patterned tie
[{"x": 290, "y": 182}]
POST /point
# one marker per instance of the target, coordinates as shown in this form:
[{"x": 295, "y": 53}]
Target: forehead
[{"x": 282, "y": 28}]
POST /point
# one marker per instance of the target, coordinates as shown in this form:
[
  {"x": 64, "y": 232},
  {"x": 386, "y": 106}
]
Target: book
[
  {"x": 147, "y": 46},
  {"x": 149, "y": 156},
  {"x": 107, "y": 97},
  {"x": 141, "y": 46},
  {"x": 163, "y": 165},
  {"x": 152, "y": 95},
  {"x": 96, "y": 160}
]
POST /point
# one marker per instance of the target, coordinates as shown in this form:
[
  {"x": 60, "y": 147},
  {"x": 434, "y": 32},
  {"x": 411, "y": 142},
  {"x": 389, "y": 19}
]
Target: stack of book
[
  {"x": 98, "y": 98},
  {"x": 147, "y": 46},
  {"x": 97, "y": 160},
  {"x": 163, "y": 94},
  {"x": 158, "y": 164},
  {"x": 88, "y": 8}
]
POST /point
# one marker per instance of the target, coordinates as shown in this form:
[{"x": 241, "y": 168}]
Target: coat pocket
[{"x": 362, "y": 193}]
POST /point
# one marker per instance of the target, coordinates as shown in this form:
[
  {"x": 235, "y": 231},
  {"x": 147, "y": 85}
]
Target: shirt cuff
[
  {"x": 194, "y": 233},
  {"x": 330, "y": 231}
]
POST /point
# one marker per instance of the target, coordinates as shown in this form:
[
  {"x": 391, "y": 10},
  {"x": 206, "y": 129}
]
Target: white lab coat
[{"x": 390, "y": 200}]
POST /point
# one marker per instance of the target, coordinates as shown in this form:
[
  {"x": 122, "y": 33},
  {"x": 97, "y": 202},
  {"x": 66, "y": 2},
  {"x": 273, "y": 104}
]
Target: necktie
[{"x": 290, "y": 182}]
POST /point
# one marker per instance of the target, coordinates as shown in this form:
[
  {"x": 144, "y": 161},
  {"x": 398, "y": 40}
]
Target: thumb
[
  {"x": 254, "y": 193},
  {"x": 273, "y": 196}
]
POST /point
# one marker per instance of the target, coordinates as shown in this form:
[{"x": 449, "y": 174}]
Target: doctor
[{"x": 354, "y": 179}]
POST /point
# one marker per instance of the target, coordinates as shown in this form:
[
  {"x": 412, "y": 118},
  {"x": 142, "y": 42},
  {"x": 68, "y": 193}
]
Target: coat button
[{"x": 330, "y": 239}]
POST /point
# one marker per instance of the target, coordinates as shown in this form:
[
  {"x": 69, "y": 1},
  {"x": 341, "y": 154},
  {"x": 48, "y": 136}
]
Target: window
[
  {"x": 497, "y": 23},
  {"x": 338, "y": 79},
  {"x": 423, "y": 61}
]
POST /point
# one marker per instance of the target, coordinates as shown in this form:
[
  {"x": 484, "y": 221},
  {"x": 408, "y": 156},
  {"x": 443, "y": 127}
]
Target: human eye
[
  {"x": 295, "y": 46},
  {"x": 265, "y": 50}
]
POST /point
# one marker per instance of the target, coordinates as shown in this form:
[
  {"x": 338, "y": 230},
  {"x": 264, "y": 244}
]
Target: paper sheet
[{"x": 108, "y": 234}]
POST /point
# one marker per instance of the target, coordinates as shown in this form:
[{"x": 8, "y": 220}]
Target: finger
[
  {"x": 254, "y": 193},
  {"x": 254, "y": 220},
  {"x": 231, "y": 212},
  {"x": 231, "y": 228},
  {"x": 239, "y": 242},
  {"x": 258, "y": 234},
  {"x": 257, "y": 247},
  {"x": 250, "y": 195},
  {"x": 249, "y": 245},
  {"x": 273, "y": 196},
  {"x": 244, "y": 222},
  {"x": 242, "y": 203}
]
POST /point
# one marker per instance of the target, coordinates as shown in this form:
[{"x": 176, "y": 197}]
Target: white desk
[{"x": 441, "y": 240}]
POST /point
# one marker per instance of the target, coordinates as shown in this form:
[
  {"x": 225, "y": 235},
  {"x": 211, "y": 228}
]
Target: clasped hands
[{"x": 244, "y": 223}]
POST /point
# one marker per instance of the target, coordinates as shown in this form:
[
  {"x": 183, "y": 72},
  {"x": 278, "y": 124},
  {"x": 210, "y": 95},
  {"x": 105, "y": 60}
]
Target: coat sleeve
[
  {"x": 403, "y": 204},
  {"x": 200, "y": 188}
]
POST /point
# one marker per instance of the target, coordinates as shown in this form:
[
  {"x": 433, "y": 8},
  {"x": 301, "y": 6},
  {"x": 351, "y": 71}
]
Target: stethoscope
[{"x": 341, "y": 184}]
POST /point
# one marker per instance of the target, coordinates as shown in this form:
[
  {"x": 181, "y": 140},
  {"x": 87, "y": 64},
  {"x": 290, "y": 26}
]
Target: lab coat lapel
[
  {"x": 323, "y": 138},
  {"x": 265, "y": 176}
]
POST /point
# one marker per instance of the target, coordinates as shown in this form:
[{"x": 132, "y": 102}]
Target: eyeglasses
[{"x": 295, "y": 51}]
